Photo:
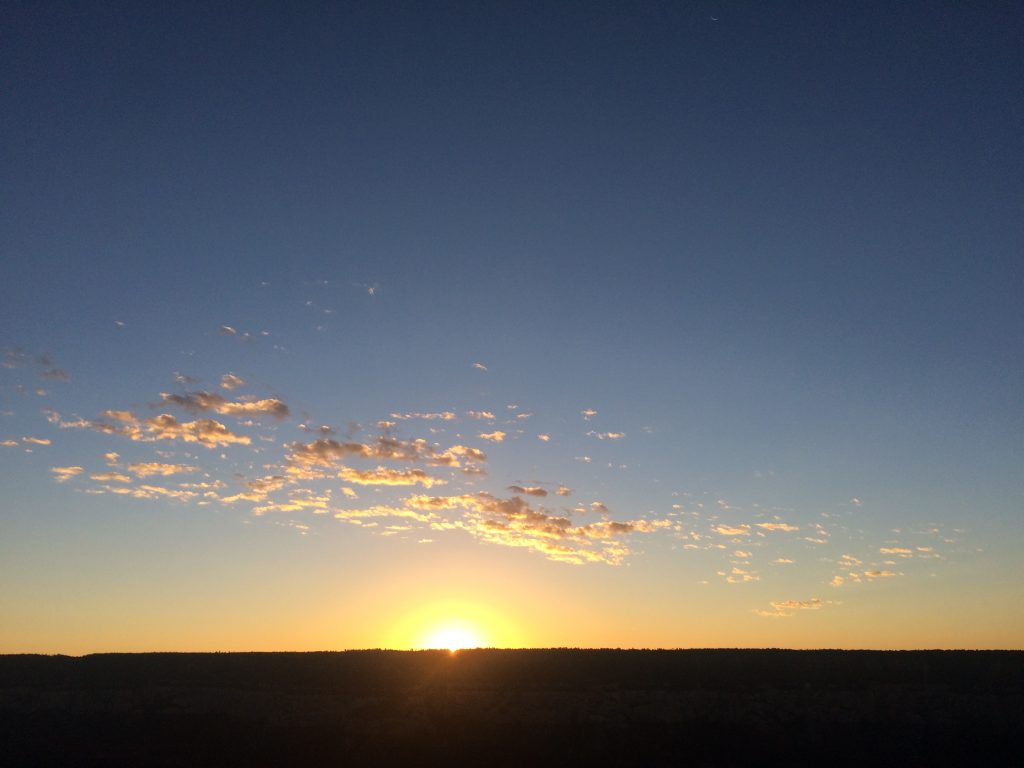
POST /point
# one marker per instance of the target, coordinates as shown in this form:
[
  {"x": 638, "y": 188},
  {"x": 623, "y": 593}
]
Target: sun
[{"x": 453, "y": 635}]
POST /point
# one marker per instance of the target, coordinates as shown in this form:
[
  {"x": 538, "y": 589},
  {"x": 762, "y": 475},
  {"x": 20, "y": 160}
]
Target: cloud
[
  {"x": 856, "y": 502},
  {"x": 480, "y": 414},
  {"x": 880, "y": 574},
  {"x": 110, "y": 477},
  {"x": 783, "y": 561},
  {"x": 267, "y": 484},
  {"x": 544, "y": 438},
  {"x": 300, "y": 500},
  {"x": 55, "y": 374},
  {"x": 63, "y": 474},
  {"x": 733, "y": 530},
  {"x": 563, "y": 490},
  {"x": 8, "y": 443},
  {"x": 36, "y": 440},
  {"x": 778, "y": 527},
  {"x": 606, "y": 435},
  {"x": 837, "y": 581},
  {"x": 497, "y": 436},
  {"x": 196, "y": 402},
  {"x": 385, "y": 476},
  {"x": 514, "y": 522},
  {"x": 229, "y": 381},
  {"x": 901, "y": 551},
  {"x": 439, "y": 416},
  {"x": 480, "y": 366},
  {"x": 383, "y": 510},
  {"x": 148, "y": 469},
  {"x": 327, "y": 452},
  {"x": 528, "y": 491},
  {"x": 588, "y": 414},
  {"x": 787, "y": 606},
  {"x": 205, "y": 432}
]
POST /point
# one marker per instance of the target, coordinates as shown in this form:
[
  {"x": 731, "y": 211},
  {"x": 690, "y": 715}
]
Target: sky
[{"x": 359, "y": 325}]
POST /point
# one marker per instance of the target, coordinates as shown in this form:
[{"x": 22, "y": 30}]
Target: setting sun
[{"x": 454, "y": 636}]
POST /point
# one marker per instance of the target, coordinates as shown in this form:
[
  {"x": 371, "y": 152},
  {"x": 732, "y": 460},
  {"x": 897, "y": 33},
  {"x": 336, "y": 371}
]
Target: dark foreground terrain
[{"x": 521, "y": 708}]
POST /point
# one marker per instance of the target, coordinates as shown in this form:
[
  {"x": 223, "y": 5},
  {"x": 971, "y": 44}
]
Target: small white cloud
[{"x": 480, "y": 366}]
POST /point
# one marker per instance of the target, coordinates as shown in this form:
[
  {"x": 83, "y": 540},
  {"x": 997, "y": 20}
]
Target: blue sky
[{"x": 776, "y": 248}]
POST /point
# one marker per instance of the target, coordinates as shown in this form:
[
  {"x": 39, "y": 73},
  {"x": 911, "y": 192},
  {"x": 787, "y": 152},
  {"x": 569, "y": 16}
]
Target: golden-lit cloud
[
  {"x": 383, "y": 510},
  {"x": 880, "y": 574},
  {"x": 787, "y": 608},
  {"x": 229, "y": 381},
  {"x": 544, "y": 438},
  {"x": 528, "y": 490},
  {"x": 778, "y": 527},
  {"x": 497, "y": 436},
  {"x": 63, "y": 474},
  {"x": 733, "y": 530},
  {"x": 267, "y": 484},
  {"x": 150, "y": 468},
  {"x": 514, "y": 522},
  {"x": 110, "y": 477},
  {"x": 901, "y": 551},
  {"x": 480, "y": 414},
  {"x": 437, "y": 416},
  {"x": 588, "y": 413},
  {"x": 386, "y": 476},
  {"x": 327, "y": 452},
  {"x": 36, "y": 440},
  {"x": 563, "y": 490},
  {"x": 205, "y": 432},
  {"x": 198, "y": 402}
]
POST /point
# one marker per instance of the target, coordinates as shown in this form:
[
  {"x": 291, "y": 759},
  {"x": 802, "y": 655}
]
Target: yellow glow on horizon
[
  {"x": 453, "y": 625},
  {"x": 454, "y": 636}
]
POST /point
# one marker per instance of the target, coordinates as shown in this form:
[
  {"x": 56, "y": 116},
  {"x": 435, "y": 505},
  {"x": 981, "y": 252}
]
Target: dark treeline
[{"x": 515, "y": 707}]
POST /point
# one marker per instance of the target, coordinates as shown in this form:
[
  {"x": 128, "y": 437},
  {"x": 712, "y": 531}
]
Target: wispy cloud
[
  {"x": 437, "y": 416},
  {"x": 787, "y": 608},
  {"x": 229, "y": 381},
  {"x": 606, "y": 435},
  {"x": 528, "y": 490},
  {"x": 205, "y": 432},
  {"x": 733, "y": 530},
  {"x": 497, "y": 436},
  {"x": 327, "y": 452},
  {"x": 197, "y": 402},
  {"x": 386, "y": 476},
  {"x": 63, "y": 474},
  {"x": 151, "y": 468},
  {"x": 778, "y": 527},
  {"x": 480, "y": 414},
  {"x": 514, "y": 522}
]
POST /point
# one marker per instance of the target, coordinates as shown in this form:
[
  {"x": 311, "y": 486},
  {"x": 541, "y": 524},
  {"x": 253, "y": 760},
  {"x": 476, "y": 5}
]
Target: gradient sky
[{"x": 695, "y": 324}]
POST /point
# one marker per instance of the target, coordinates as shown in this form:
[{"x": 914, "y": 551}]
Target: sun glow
[
  {"x": 454, "y": 636},
  {"x": 453, "y": 625}
]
